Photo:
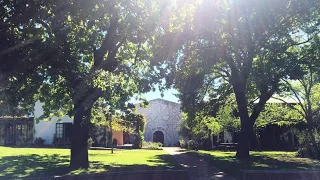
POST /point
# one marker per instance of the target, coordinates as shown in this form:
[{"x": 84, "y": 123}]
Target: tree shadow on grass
[
  {"x": 234, "y": 166},
  {"x": 34, "y": 165}
]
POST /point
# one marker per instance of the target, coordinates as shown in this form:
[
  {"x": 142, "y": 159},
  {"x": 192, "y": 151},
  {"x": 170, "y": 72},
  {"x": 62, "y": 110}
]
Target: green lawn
[
  {"x": 227, "y": 162},
  {"x": 30, "y": 162}
]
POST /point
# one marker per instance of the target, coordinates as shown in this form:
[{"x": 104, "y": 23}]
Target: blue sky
[{"x": 168, "y": 95}]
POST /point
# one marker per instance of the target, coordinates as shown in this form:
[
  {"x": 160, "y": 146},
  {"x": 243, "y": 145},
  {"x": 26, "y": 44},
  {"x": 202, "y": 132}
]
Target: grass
[
  {"x": 227, "y": 162},
  {"x": 35, "y": 162}
]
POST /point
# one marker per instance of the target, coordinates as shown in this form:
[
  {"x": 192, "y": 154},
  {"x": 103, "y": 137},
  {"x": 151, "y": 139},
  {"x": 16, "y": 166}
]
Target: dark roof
[{"x": 16, "y": 119}]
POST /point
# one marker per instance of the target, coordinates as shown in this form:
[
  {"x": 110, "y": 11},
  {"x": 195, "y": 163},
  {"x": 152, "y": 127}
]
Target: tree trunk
[
  {"x": 80, "y": 136},
  {"x": 246, "y": 125},
  {"x": 244, "y": 140},
  {"x": 314, "y": 145}
]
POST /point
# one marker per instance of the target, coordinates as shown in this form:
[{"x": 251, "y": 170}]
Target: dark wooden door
[
  {"x": 158, "y": 136},
  {"x": 9, "y": 135},
  {"x": 67, "y": 130},
  {"x": 126, "y": 138}
]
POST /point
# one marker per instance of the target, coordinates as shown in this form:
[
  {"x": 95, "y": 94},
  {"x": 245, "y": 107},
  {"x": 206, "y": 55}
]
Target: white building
[
  {"x": 163, "y": 118},
  {"x": 48, "y": 129},
  {"x": 162, "y": 124}
]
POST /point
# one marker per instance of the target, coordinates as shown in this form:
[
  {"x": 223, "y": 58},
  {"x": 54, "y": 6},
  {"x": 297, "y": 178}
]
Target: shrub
[
  {"x": 137, "y": 143},
  {"x": 90, "y": 142},
  {"x": 39, "y": 142},
  {"x": 182, "y": 143},
  {"x": 307, "y": 147},
  {"x": 192, "y": 144},
  {"x": 23, "y": 142},
  {"x": 152, "y": 145}
]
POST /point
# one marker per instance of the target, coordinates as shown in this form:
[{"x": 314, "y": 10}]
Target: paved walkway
[{"x": 198, "y": 169}]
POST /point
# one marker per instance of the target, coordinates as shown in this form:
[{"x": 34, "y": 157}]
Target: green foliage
[
  {"x": 306, "y": 91},
  {"x": 72, "y": 50},
  {"x": 308, "y": 148},
  {"x": 68, "y": 54},
  {"x": 7, "y": 110},
  {"x": 25, "y": 142},
  {"x": 280, "y": 114},
  {"x": 152, "y": 145},
  {"x": 182, "y": 143},
  {"x": 139, "y": 124},
  {"x": 197, "y": 128},
  {"x": 184, "y": 130},
  {"x": 212, "y": 48},
  {"x": 138, "y": 121},
  {"x": 90, "y": 142},
  {"x": 205, "y": 123},
  {"x": 39, "y": 142},
  {"x": 192, "y": 145},
  {"x": 225, "y": 116}
]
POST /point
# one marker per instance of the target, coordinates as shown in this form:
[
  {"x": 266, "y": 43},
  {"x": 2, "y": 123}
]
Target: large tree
[
  {"x": 246, "y": 44},
  {"x": 68, "y": 54}
]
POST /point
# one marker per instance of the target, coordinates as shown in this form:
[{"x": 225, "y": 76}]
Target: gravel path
[{"x": 197, "y": 168}]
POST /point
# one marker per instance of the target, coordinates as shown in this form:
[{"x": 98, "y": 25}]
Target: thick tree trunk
[
  {"x": 244, "y": 140},
  {"x": 314, "y": 145},
  {"x": 80, "y": 136},
  {"x": 246, "y": 125}
]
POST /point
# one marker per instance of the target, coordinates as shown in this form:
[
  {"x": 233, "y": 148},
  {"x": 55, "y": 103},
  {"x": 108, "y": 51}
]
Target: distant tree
[
  {"x": 280, "y": 114},
  {"x": 306, "y": 91}
]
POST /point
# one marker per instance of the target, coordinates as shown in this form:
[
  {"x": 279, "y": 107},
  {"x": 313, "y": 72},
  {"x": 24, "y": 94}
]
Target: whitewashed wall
[
  {"x": 162, "y": 116},
  {"x": 44, "y": 129}
]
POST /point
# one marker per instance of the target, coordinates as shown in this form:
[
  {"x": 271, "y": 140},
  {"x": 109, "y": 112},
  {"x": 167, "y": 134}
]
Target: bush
[
  {"x": 192, "y": 145},
  {"x": 90, "y": 142},
  {"x": 152, "y": 145},
  {"x": 137, "y": 143},
  {"x": 39, "y": 142},
  {"x": 307, "y": 148},
  {"x": 182, "y": 143},
  {"x": 23, "y": 142}
]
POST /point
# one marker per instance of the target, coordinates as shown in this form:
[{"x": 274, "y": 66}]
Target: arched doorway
[{"x": 158, "y": 136}]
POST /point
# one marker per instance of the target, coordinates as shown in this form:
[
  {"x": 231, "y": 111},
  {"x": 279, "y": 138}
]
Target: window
[
  {"x": 59, "y": 130},
  {"x": 63, "y": 130},
  {"x": 16, "y": 131}
]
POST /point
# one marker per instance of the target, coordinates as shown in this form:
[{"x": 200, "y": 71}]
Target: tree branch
[
  {"x": 107, "y": 42},
  {"x": 264, "y": 97},
  {"x": 111, "y": 62},
  {"x": 296, "y": 95},
  {"x": 137, "y": 54}
]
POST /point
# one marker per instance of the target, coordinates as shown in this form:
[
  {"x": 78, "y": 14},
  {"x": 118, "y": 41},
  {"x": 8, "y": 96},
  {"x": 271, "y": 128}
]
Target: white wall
[
  {"x": 162, "y": 116},
  {"x": 227, "y": 136},
  {"x": 43, "y": 129}
]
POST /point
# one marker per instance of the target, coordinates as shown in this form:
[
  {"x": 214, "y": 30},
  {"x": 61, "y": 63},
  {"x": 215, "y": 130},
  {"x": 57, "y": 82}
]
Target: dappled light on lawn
[
  {"x": 269, "y": 160},
  {"x": 47, "y": 162}
]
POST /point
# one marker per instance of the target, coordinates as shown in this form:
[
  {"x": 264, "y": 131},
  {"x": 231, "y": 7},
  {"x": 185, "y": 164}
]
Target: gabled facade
[{"x": 163, "y": 118}]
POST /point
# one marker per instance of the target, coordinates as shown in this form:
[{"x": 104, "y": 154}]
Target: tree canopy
[
  {"x": 214, "y": 48},
  {"x": 222, "y": 56},
  {"x": 68, "y": 54}
]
